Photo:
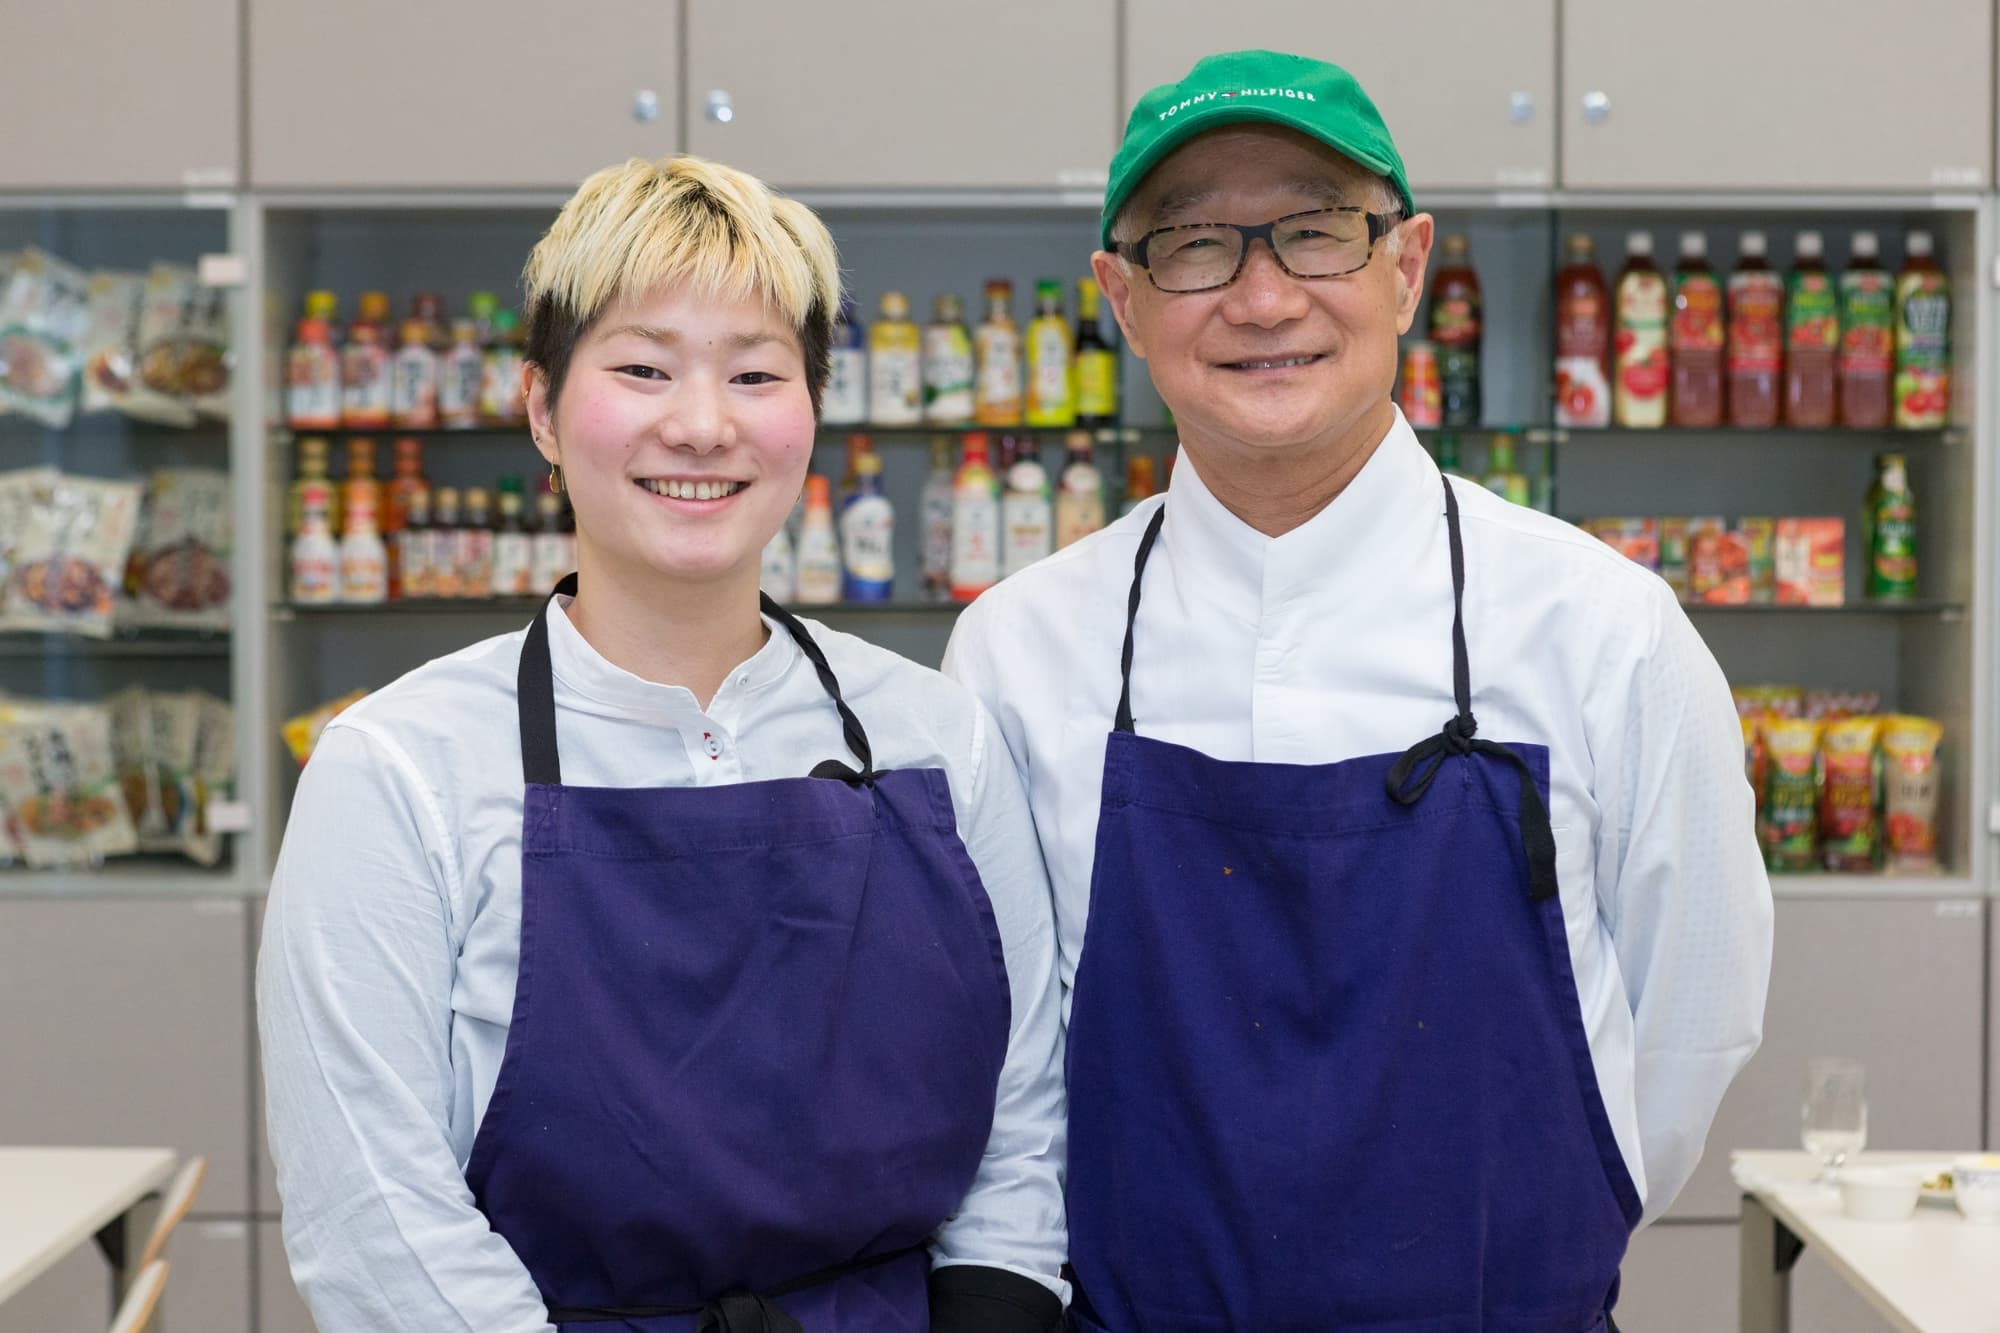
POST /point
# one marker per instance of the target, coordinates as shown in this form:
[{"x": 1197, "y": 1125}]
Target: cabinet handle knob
[
  {"x": 720, "y": 109},
  {"x": 646, "y": 106},
  {"x": 1596, "y": 108},
  {"x": 1520, "y": 107}
]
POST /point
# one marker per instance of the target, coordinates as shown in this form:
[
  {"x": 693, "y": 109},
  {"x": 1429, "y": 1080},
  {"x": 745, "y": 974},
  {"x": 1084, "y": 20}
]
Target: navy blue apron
[
  {"x": 756, "y": 1039},
  {"x": 1327, "y": 1066}
]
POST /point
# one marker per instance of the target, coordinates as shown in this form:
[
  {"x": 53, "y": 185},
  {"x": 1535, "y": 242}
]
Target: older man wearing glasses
[{"x": 1411, "y": 912}]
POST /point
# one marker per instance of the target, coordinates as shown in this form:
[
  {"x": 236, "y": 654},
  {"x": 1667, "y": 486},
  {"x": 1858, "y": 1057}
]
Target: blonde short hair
[{"x": 680, "y": 221}]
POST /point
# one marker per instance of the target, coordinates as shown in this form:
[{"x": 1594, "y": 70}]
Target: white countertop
[
  {"x": 55, "y": 1199},
  {"x": 1935, "y": 1273}
]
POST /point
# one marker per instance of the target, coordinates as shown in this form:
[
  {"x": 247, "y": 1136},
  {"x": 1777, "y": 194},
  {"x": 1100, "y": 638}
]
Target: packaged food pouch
[
  {"x": 1850, "y": 829},
  {"x": 1791, "y": 793},
  {"x": 131, "y": 713},
  {"x": 214, "y": 776},
  {"x": 21, "y": 490},
  {"x": 111, "y": 340},
  {"x": 1753, "y": 764},
  {"x": 202, "y": 370},
  {"x": 159, "y": 392},
  {"x": 175, "y": 722},
  {"x": 302, "y": 732},
  {"x": 1910, "y": 793},
  {"x": 70, "y": 562},
  {"x": 58, "y": 778},
  {"x": 44, "y": 313},
  {"x": 178, "y": 574}
]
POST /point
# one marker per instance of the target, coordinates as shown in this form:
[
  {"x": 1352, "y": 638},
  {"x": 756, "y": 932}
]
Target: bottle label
[
  {"x": 1756, "y": 323},
  {"x": 845, "y": 402},
  {"x": 500, "y": 386},
  {"x": 552, "y": 557},
  {"x": 458, "y": 388},
  {"x": 975, "y": 555},
  {"x": 1028, "y": 531},
  {"x": 1812, "y": 313},
  {"x": 1923, "y": 360},
  {"x": 895, "y": 387},
  {"x": 364, "y": 387},
  {"x": 867, "y": 548},
  {"x": 936, "y": 512},
  {"x": 312, "y": 387},
  {"x": 413, "y": 394},
  {"x": 999, "y": 386},
  {"x": 948, "y": 377},
  {"x": 1048, "y": 374},
  {"x": 1097, "y": 384},
  {"x": 1642, "y": 350},
  {"x": 1867, "y": 323},
  {"x": 1697, "y": 321},
  {"x": 513, "y": 565},
  {"x": 413, "y": 560}
]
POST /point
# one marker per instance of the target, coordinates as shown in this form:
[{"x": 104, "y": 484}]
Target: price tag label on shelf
[
  {"x": 228, "y": 816},
  {"x": 223, "y": 271}
]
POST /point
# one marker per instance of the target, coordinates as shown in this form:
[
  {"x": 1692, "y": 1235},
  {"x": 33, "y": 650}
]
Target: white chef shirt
[
  {"x": 385, "y": 984},
  {"x": 1333, "y": 641}
]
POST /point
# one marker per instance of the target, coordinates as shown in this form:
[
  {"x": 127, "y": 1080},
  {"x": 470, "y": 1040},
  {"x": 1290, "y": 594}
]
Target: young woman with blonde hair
[{"x": 670, "y": 964}]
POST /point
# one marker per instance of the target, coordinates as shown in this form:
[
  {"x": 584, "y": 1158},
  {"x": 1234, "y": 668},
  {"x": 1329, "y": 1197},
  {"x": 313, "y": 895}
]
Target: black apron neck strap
[
  {"x": 1412, "y": 774},
  {"x": 1124, "y": 720},
  {"x": 534, "y": 682}
]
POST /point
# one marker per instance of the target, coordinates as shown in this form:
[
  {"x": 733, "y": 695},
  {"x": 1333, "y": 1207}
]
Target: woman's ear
[{"x": 541, "y": 412}]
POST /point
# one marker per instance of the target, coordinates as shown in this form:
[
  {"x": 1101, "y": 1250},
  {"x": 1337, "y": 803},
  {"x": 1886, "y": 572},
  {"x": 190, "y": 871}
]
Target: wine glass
[{"x": 1834, "y": 1120}]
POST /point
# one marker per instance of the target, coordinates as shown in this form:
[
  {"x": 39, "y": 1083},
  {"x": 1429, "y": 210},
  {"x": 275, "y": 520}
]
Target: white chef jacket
[
  {"x": 1333, "y": 642},
  {"x": 385, "y": 984}
]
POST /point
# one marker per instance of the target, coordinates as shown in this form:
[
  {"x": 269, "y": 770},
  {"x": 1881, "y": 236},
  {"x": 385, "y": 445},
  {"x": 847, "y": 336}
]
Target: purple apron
[
  {"x": 1327, "y": 1065},
  {"x": 756, "y": 1039}
]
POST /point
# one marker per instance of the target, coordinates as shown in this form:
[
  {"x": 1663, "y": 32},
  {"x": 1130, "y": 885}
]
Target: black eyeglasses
[{"x": 1320, "y": 243}]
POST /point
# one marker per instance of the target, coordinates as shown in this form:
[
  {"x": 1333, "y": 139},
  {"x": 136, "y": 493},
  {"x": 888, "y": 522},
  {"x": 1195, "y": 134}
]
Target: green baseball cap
[{"x": 1317, "y": 99}]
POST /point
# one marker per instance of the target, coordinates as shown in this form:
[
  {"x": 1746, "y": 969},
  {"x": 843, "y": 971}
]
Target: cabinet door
[
  {"x": 904, "y": 93},
  {"x": 1473, "y": 108},
  {"x": 457, "y": 94},
  {"x": 1779, "y": 94},
  {"x": 132, "y": 1027},
  {"x": 128, "y": 94},
  {"x": 1895, "y": 984}
]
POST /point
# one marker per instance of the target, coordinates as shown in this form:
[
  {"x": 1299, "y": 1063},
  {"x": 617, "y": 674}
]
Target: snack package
[
  {"x": 178, "y": 574},
  {"x": 44, "y": 314},
  {"x": 1674, "y": 555},
  {"x": 1718, "y": 565},
  {"x": 1637, "y": 539},
  {"x": 61, "y": 786},
  {"x": 202, "y": 366},
  {"x": 21, "y": 491},
  {"x": 131, "y": 714},
  {"x": 302, "y": 732},
  {"x": 1810, "y": 556},
  {"x": 111, "y": 341},
  {"x": 1850, "y": 831},
  {"x": 1910, "y": 792},
  {"x": 1759, "y": 537},
  {"x": 174, "y": 723},
  {"x": 1791, "y": 792},
  {"x": 71, "y": 558},
  {"x": 160, "y": 389},
  {"x": 214, "y": 775}
]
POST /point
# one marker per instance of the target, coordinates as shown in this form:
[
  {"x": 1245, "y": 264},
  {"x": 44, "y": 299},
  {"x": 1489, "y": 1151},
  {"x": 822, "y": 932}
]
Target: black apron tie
[
  {"x": 535, "y": 682},
  {"x": 1411, "y": 776}
]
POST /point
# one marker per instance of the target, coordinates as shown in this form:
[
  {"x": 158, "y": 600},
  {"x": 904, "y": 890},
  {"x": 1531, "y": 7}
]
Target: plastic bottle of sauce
[
  {"x": 1812, "y": 338},
  {"x": 1096, "y": 362},
  {"x": 819, "y": 547},
  {"x": 975, "y": 523},
  {"x": 934, "y": 511},
  {"x": 500, "y": 400},
  {"x": 475, "y": 544},
  {"x": 413, "y": 401},
  {"x": 867, "y": 536},
  {"x": 315, "y": 554},
  {"x": 460, "y": 371},
  {"x": 1027, "y": 521},
  {"x": 364, "y": 558},
  {"x": 1694, "y": 396},
  {"x": 947, "y": 358},
  {"x": 895, "y": 366},
  {"x": 447, "y": 567},
  {"x": 1080, "y": 497},
  {"x": 1139, "y": 483},
  {"x": 312, "y": 378},
  {"x": 1583, "y": 339},
  {"x": 845, "y": 402},
  {"x": 997, "y": 396},
  {"x": 1051, "y": 390},
  {"x": 553, "y": 551},
  {"x": 364, "y": 367},
  {"x": 1923, "y": 339},
  {"x": 1455, "y": 329},
  {"x": 513, "y": 545},
  {"x": 1867, "y": 337},
  {"x": 1639, "y": 394},
  {"x": 1890, "y": 532},
  {"x": 1756, "y": 337}
]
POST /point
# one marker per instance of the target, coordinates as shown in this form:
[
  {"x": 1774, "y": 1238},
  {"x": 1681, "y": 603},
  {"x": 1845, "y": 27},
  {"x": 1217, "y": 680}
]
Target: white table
[
  {"x": 54, "y": 1199},
  {"x": 1935, "y": 1273}
]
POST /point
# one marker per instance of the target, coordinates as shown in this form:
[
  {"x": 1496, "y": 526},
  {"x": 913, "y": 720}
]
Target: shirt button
[{"x": 712, "y": 745}]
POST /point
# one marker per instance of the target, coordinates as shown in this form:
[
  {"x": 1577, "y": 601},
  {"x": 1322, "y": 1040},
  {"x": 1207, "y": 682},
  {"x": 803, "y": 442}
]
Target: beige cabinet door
[
  {"x": 130, "y": 94},
  {"x": 458, "y": 94},
  {"x": 904, "y": 93},
  {"x": 1777, "y": 94},
  {"x": 1468, "y": 90}
]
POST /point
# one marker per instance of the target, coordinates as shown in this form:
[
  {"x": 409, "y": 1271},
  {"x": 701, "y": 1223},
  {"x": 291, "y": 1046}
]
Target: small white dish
[
  {"x": 1975, "y": 1185},
  {"x": 1880, "y": 1193}
]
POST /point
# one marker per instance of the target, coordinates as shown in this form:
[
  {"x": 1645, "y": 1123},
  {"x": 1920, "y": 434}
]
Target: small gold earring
[{"x": 555, "y": 478}]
